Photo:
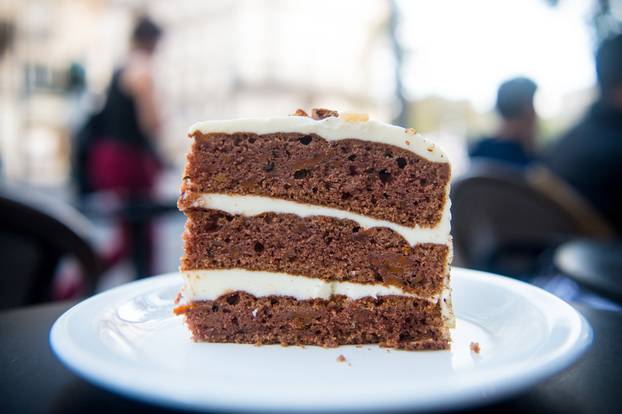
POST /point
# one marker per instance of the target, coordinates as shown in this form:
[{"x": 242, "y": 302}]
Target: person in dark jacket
[
  {"x": 121, "y": 156},
  {"x": 589, "y": 156},
  {"x": 512, "y": 143}
]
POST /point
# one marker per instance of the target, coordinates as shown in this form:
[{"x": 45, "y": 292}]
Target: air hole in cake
[
  {"x": 353, "y": 170},
  {"x": 356, "y": 229},
  {"x": 251, "y": 140},
  {"x": 229, "y": 218},
  {"x": 233, "y": 299},
  {"x": 212, "y": 226},
  {"x": 314, "y": 189},
  {"x": 346, "y": 196},
  {"x": 404, "y": 336},
  {"x": 267, "y": 219},
  {"x": 385, "y": 195},
  {"x": 352, "y": 157},
  {"x": 378, "y": 278},
  {"x": 258, "y": 247},
  {"x": 305, "y": 140},
  {"x": 214, "y": 308},
  {"x": 300, "y": 174},
  {"x": 401, "y": 162},
  {"x": 385, "y": 176},
  {"x": 274, "y": 301},
  {"x": 269, "y": 166},
  {"x": 388, "y": 154}
]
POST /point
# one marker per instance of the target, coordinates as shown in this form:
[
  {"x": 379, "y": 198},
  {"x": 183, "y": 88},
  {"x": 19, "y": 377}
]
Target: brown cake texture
[
  {"x": 391, "y": 321},
  {"x": 377, "y": 180},
  {"x": 318, "y": 246}
]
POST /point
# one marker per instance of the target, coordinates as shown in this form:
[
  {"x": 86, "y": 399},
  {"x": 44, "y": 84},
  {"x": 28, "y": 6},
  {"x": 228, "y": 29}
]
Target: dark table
[{"x": 32, "y": 380}]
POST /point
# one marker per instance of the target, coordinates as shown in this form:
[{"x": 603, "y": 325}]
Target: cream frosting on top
[{"x": 331, "y": 129}]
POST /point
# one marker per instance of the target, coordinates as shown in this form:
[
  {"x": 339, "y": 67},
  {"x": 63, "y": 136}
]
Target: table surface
[{"x": 33, "y": 380}]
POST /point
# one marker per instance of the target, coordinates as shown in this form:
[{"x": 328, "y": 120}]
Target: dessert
[{"x": 321, "y": 230}]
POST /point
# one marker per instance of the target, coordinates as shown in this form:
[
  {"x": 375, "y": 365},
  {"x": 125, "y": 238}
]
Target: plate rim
[{"x": 513, "y": 380}]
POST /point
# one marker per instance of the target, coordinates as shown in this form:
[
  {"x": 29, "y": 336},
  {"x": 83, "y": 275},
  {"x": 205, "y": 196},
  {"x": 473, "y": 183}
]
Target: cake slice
[{"x": 324, "y": 230}]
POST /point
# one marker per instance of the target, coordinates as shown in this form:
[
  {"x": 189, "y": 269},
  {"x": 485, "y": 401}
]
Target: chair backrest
[
  {"x": 36, "y": 231},
  {"x": 498, "y": 213}
]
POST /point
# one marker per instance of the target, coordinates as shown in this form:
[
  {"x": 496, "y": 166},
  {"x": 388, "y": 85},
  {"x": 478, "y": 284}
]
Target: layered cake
[{"x": 316, "y": 230}]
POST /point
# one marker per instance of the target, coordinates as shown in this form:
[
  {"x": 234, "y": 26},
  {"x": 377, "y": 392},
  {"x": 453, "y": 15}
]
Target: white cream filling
[
  {"x": 211, "y": 284},
  {"x": 249, "y": 206},
  {"x": 331, "y": 129}
]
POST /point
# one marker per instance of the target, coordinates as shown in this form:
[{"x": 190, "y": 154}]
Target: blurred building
[
  {"x": 217, "y": 59},
  {"x": 227, "y": 58}
]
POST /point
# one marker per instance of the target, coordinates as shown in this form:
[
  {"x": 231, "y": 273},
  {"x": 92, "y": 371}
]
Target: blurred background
[{"x": 96, "y": 97}]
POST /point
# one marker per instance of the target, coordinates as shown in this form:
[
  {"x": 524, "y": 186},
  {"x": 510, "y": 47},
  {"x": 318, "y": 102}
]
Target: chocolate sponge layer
[
  {"x": 379, "y": 180},
  {"x": 391, "y": 321},
  {"x": 317, "y": 246}
]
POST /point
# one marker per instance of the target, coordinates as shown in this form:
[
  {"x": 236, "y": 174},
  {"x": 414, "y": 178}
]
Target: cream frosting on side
[
  {"x": 331, "y": 129},
  {"x": 210, "y": 284},
  {"x": 253, "y": 205}
]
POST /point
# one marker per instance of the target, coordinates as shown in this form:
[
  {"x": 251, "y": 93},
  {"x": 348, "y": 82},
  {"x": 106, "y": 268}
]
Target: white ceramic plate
[{"x": 127, "y": 340}]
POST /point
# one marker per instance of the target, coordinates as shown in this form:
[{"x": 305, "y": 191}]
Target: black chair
[
  {"x": 508, "y": 220},
  {"x": 36, "y": 232}
]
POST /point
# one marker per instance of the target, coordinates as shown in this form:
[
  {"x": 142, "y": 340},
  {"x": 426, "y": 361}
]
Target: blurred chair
[
  {"x": 507, "y": 221},
  {"x": 36, "y": 232},
  {"x": 595, "y": 264}
]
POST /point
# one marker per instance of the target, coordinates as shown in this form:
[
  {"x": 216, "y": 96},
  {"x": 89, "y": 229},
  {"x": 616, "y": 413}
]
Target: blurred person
[
  {"x": 589, "y": 156},
  {"x": 513, "y": 141},
  {"x": 120, "y": 156}
]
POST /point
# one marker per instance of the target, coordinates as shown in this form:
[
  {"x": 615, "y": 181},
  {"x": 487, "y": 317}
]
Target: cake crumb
[
  {"x": 411, "y": 131},
  {"x": 181, "y": 309},
  {"x": 341, "y": 358},
  {"x": 178, "y": 297},
  {"x": 475, "y": 347},
  {"x": 300, "y": 112},
  {"x": 321, "y": 113}
]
